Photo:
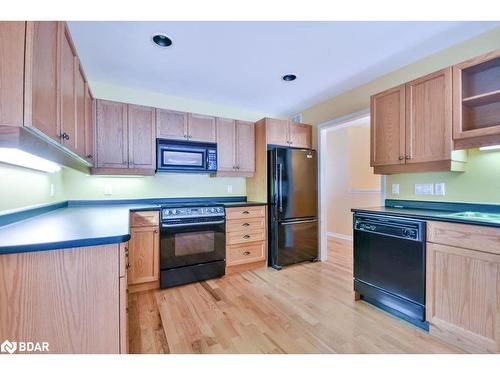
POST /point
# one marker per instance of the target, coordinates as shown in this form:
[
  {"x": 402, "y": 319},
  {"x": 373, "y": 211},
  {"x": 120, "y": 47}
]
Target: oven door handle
[{"x": 163, "y": 225}]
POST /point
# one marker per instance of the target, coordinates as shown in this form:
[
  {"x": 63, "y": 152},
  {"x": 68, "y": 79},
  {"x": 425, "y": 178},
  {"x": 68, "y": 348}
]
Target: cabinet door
[
  {"x": 141, "y": 138},
  {"x": 112, "y": 137},
  {"x": 80, "y": 91},
  {"x": 42, "y": 96},
  {"x": 68, "y": 91},
  {"x": 429, "y": 118},
  {"x": 144, "y": 255},
  {"x": 89, "y": 125},
  {"x": 300, "y": 135},
  {"x": 226, "y": 141},
  {"x": 278, "y": 132},
  {"x": 245, "y": 146},
  {"x": 388, "y": 127},
  {"x": 462, "y": 299},
  {"x": 11, "y": 72},
  {"x": 171, "y": 124},
  {"x": 201, "y": 128}
]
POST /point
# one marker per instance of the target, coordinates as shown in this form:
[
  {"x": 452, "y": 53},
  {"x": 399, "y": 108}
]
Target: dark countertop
[
  {"x": 433, "y": 211},
  {"x": 81, "y": 223}
]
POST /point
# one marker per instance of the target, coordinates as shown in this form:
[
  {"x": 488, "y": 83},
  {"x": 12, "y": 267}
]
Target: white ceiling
[{"x": 240, "y": 64}]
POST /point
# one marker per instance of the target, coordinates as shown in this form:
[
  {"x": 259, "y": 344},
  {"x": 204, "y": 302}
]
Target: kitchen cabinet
[
  {"x": 476, "y": 101},
  {"x": 300, "y": 135},
  {"x": 141, "y": 139},
  {"x": 201, "y": 128},
  {"x": 71, "y": 298},
  {"x": 144, "y": 248},
  {"x": 463, "y": 280},
  {"x": 411, "y": 127},
  {"x": 289, "y": 134},
  {"x": 89, "y": 125},
  {"x": 112, "y": 134},
  {"x": 80, "y": 125},
  {"x": 12, "y": 35},
  {"x": 171, "y": 124},
  {"x": 235, "y": 147},
  {"x": 246, "y": 238}
]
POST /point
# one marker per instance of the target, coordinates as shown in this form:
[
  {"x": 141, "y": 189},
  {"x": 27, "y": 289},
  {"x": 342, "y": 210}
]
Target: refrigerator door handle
[
  {"x": 280, "y": 186},
  {"x": 299, "y": 222}
]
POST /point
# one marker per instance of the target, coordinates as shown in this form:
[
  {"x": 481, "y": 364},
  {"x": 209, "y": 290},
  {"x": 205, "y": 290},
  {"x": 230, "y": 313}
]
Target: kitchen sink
[{"x": 471, "y": 215}]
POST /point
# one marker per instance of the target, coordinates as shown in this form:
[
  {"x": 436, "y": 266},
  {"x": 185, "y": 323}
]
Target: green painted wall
[{"x": 481, "y": 182}]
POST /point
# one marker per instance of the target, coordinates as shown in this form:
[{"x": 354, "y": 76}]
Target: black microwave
[{"x": 185, "y": 156}]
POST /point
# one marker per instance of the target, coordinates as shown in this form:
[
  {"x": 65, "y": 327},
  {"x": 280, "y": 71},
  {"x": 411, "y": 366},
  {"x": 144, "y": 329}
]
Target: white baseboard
[{"x": 344, "y": 237}]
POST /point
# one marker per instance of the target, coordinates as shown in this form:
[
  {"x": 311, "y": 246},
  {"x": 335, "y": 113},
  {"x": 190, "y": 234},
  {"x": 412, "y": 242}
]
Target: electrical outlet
[
  {"x": 439, "y": 189},
  {"x": 424, "y": 189},
  {"x": 395, "y": 189},
  {"x": 229, "y": 188},
  {"x": 108, "y": 189},
  {"x": 52, "y": 190}
]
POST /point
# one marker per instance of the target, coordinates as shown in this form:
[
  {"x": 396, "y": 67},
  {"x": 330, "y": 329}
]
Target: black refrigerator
[{"x": 293, "y": 206}]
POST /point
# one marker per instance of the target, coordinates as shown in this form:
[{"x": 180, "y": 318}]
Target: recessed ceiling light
[
  {"x": 289, "y": 77},
  {"x": 161, "y": 40}
]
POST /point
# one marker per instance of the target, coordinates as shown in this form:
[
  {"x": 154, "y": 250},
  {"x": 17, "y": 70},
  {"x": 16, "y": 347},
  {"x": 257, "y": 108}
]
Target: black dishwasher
[{"x": 389, "y": 264}]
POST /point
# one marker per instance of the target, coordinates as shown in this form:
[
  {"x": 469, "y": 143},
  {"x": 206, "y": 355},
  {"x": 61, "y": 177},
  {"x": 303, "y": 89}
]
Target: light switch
[
  {"x": 108, "y": 189},
  {"x": 52, "y": 190},
  {"x": 229, "y": 188},
  {"x": 439, "y": 189},
  {"x": 395, "y": 189},
  {"x": 424, "y": 189}
]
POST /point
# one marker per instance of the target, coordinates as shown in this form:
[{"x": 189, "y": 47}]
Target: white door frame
[{"x": 337, "y": 123}]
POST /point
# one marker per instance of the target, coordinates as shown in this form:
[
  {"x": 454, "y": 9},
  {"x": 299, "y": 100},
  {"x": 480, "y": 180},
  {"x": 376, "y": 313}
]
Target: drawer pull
[
  {"x": 246, "y": 236},
  {"x": 245, "y": 224},
  {"x": 246, "y": 253},
  {"x": 245, "y": 212}
]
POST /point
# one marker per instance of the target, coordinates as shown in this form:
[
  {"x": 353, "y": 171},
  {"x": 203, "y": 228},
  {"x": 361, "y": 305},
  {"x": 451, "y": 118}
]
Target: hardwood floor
[{"x": 307, "y": 308}]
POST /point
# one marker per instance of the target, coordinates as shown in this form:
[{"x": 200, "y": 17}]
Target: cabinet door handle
[
  {"x": 245, "y": 224},
  {"x": 407, "y": 157},
  {"x": 190, "y": 136},
  {"x": 245, "y": 212},
  {"x": 246, "y": 236},
  {"x": 401, "y": 157},
  {"x": 185, "y": 136},
  {"x": 156, "y": 231},
  {"x": 64, "y": 136},
  {"x": 246, "y": 253},
  {"x": 89, "y": 156}
]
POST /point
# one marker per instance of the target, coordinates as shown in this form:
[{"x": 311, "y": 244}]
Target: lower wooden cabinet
[
  {"x": 144, "y": 248},
  {"x": 246, "y": 238},
  {"x": 73, "y": 299},
  {"x": 463, "y": 285}
]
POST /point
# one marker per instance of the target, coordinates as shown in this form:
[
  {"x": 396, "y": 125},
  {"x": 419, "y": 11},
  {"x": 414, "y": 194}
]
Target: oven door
[
  {"x": 190, "y": 244},
  {"x": 181, "y": 158}
]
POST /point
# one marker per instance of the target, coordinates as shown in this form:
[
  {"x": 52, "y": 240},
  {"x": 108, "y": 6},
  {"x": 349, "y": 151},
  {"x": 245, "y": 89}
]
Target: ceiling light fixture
[
  {"x": 488, "y": 148},
  {"x": 289, "y": 77},
  {"x": 161, "y": 40},
  {"x": 22, "y": 158}
]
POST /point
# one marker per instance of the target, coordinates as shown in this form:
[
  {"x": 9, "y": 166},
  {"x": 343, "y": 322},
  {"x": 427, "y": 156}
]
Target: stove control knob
[
  {"x": 166, "y": 212},
  {"x": 175, "y": 212}
]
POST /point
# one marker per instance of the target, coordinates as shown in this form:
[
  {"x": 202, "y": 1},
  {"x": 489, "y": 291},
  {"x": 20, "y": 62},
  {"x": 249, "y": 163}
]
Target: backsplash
[{"x": 479, "y": 184}]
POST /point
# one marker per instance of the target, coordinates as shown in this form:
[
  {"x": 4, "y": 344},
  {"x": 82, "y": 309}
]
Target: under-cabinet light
[
  {"x": 488, "y": 148},
  {"x": 24, "y": 159}
]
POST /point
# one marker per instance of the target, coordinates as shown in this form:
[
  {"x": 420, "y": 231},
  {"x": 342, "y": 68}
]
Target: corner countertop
[
  {"x": 82, "y": 223},
  {"x": 437, "y": 211}
]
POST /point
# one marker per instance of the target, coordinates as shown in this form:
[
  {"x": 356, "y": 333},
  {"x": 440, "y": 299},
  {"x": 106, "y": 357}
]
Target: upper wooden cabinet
[
  {"x": 201, "y": 128},
  {"x": 125, "y": 139},
  {"x": 411, "y": 127},
  {"x": 235, "y": 147},
  {"x": 141, "y": 139},
  {"x": 171, "y": 124},
  {"x": 89, "y": 125},
  {"x": 476, "y": 101},
  {"x": 287, "y": 133}
]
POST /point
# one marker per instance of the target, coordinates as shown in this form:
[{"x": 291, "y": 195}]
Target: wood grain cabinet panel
[
  {"x": 388, "y": 127},
  {"x": 201, "y": 128},
  {"x": 429, "y": 118},
  {"x": 89, "y": 125},
  {"x": 144, "y": 255},
  {"x": 245, "y": 146},
  {"x": 112, "y": 134},
  {"x": 245, "y": 212},
  {"x": 171, "y": 124},
  {"x": 12, "y": 36},
  {"x": 226, "y": 142},
  {"x": 145, "y": 218},
  {"x": 80, "y": 94},
  {"x": 300, "y": 135},
  {"x": 141, "y": 137},
  {"x": 462, "y": 297},
  {"x": 277, "y": 132},
  {"x": 245, "y": 253}
]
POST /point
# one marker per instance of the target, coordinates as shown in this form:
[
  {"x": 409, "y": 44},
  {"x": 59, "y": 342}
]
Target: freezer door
[
  {"x": 297, "y": 242},
  {"x": 296, "y": 184}
]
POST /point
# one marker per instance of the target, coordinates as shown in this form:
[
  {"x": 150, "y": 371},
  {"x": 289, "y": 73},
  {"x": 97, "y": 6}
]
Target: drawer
[
  {"x": 475, "y": 237},
  {"x": 145, "y": 218},
  {"x": 248, "y": 253},
  {"x": 245, "y": 225},
  {"x": 245, "y": 212},
  {"x": 246, "y": 236}
]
